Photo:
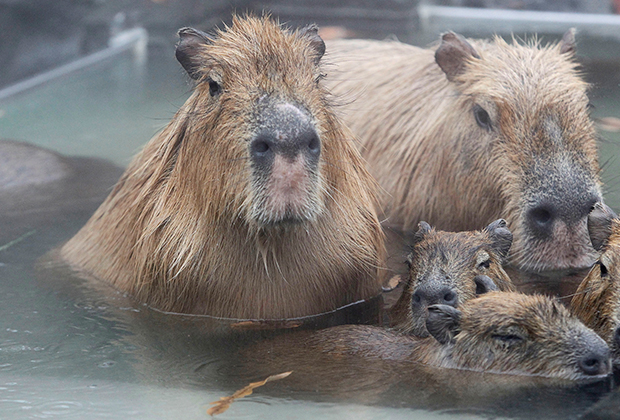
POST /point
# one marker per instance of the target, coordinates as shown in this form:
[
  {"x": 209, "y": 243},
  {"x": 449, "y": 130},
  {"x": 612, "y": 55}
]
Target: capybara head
[
  {"x": 501, "y": 332},
  {"x": 597, "y": 300},
  {"x": 450, "y": 268},
  {"x": 253, "y": 202},
  {"x": 473, "y": 130},
  {"x": 526, "y": 106},
  {"x": 516, "y": 333}
]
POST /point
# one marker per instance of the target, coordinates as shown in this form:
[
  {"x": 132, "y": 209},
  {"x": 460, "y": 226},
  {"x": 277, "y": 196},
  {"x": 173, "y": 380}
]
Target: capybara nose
[
  {"x": 267, "y": 144},
  {"x": 286, "y": 129},
  {"x": 426, "y": 296},
  {"x": 596, "y": 361},
  {"x": 542, "y": 216}
]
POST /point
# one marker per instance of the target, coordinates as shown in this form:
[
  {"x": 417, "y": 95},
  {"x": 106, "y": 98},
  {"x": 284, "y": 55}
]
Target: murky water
[{"x": 69, "y": 349}]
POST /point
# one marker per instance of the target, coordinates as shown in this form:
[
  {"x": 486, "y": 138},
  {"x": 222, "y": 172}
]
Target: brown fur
[
  {"x": 454, "y": 259},
  {"x": 180, "y": 231},
  {"x": 597, "y": 300},
  {"x": 550, "y": 339},
  {"x": 434, "y": 161}
]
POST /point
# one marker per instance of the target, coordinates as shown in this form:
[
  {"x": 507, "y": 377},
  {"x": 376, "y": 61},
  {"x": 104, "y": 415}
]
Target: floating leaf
[{"x": 224, "y": 403}]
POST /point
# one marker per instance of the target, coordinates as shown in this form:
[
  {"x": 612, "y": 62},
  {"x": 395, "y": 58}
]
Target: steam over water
[{"x": 69, "y": 350}]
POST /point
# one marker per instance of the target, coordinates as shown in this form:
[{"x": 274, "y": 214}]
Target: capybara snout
[
  {"x": 284, "y": 157},
  {"x": 595, "y": 359}
]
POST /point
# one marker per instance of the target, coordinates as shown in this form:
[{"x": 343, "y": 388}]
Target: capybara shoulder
[
  {"x": 450, "y": 268},
  {"x": 597, "y": 299},
  {"x": 501, "y": 332},
  {"x": 252, "y": 202},
  {"x": 472, "y": 130}
]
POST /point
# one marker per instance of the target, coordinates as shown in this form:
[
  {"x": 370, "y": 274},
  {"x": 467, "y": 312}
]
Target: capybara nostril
[
  {"x": 596, "y": 361},
  {"x": 261, "y": 147},
  {"x": 617, "y": 338},
  {"x": 305, "y": 141},
  {"x": 593, "y": 364},
  {"x": 449, "y": 298},
  {"x": 314, "y": 144},
  {"x": 541, "y": 220}
]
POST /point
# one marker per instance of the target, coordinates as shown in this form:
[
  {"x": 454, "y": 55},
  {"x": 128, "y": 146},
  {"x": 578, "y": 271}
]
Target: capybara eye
[
  {"x": 485, "y": 264},
  {"x": 214, "y": 87},
  {"x": 509, "y": 339},
  {"x": 603, "y": 268},
  {"x": 482, "y": 117}
]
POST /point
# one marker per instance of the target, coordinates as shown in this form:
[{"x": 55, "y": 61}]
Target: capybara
[
  {"x": 500, "y": 332},
  {"x": 253, "y": 202},
  {"x": 472, "y": 130},
  {"x": 450, "y": 268},
  {"x": 597, "y": 300}
]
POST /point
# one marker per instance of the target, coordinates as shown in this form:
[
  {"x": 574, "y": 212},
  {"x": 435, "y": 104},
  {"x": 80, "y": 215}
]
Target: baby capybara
[
  {"x": 473, "y": 130},
  {"x": 450, "y": 268},
  {"x": 253, "y": 202},
  {"x": 500, "y": 332},
  {"x": 597, "y": 300}
]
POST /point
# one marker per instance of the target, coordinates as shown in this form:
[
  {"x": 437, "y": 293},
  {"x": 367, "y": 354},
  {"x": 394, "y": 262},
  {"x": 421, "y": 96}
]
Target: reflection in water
[{"x": 71, "y": 348}]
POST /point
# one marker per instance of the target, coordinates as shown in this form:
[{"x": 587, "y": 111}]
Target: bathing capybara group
[
  {"x": 253, "y": 202},
  {"x": 473, "y": 130}
]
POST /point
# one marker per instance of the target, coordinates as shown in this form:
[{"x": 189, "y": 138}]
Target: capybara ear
[
  {"x": 443, "y": 322},
  {"x": 484, "y": 284},
  {"x": 311, "y": 33},
  {"x": 501, "y": 237},
  {"x": 599, "y": 225},
  {"x": 423, "y": 229},
  {"x": 567, "y": 44},
  {"x": 189, "y": 48},
  {"x": 453, "y": 54}
]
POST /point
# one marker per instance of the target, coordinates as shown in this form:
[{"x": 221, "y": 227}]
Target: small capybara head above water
[
  {"x": 517, "y": 333},
  {"x": 597, "y": 300},
  {"x": 253, "y": 202},
  {"x": 500, "y": 332},
  {"x": 451, "y": 268},
  {"x": 473, "y": 130}
]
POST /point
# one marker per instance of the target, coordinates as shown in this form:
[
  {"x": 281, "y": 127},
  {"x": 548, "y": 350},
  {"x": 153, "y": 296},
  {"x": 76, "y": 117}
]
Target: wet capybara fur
[
  {"x": 253, "y": 202},
  {"x": 473, "y": 130},
  {"x": 597, "y": 300},
  {"x": 499, "y": 332},
  {"x": 450, "y": 268}
]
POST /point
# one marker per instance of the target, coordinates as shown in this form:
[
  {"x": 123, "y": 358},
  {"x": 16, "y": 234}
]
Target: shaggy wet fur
[{"x": 181, "y": 230}]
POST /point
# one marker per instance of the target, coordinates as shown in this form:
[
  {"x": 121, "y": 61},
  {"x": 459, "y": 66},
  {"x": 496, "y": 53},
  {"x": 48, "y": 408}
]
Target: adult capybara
[
  {"x": 501, "y": 332},
  {"x": 473, "y": 130},
  {"x": 597, "y": 300},
  {"x": 253, "y": 202},
  {"x": 450, "y": 268}
]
